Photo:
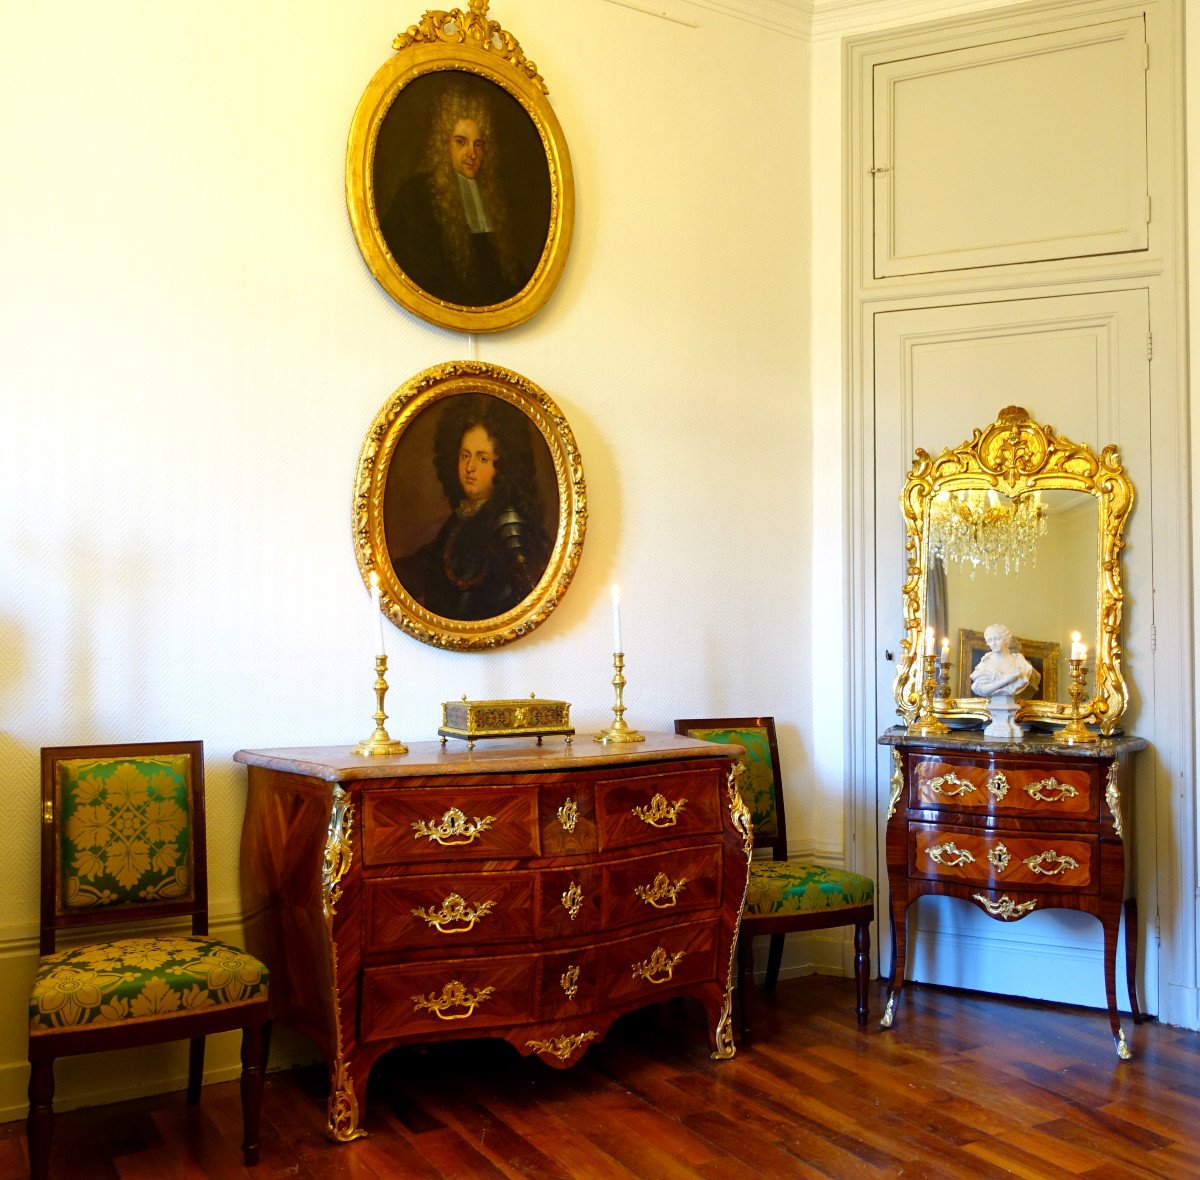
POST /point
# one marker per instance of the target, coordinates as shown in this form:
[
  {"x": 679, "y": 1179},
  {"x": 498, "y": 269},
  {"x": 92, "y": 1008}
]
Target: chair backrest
[
  {"x": 122, "y": 835},
  {"x": 761, "y": 786}
]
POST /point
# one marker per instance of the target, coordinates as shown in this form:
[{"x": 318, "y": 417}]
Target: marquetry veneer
[
  {"x": 1015, "y": 827},
  {"x": 532, "y": 893}
]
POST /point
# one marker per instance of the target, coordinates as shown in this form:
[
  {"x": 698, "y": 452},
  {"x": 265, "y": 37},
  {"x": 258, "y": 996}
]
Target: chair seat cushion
[
  {"x": 800, "y": 887},
  {"x": 141, "y": 979}
]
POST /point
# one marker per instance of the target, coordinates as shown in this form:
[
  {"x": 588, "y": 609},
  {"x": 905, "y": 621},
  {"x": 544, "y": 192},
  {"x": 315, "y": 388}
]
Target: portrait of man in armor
[
  {"x": 471, "y": 522},
  {"x": 462, "y": 189}
]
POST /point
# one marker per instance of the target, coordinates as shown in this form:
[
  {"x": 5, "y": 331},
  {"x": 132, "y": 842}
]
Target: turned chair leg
[
  {"x": 745, "y": 981},
  {"x": 39, "y": 1127},
  {"x": 862, "y": 968},
  {"x": 774, "y": 959},
  {"x": 256, "y": 1043},
  {"x": 195, "y": 1070}
]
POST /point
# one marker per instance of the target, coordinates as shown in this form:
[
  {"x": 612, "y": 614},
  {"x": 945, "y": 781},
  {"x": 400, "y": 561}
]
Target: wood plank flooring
[{"x": 963, "y": 1086}]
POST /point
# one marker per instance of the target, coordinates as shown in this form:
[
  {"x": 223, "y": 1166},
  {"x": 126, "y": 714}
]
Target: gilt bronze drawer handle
[
  {"x": 561, "y": 1047},
  {"x": 660, "y": 813},
  {"x": 1050, "y": 790},
  {"x": 454, "y": 828},
  {"x": 662, "y": 895},
  {"x": 999, "y": 856},
  {"x": 1004, "y": 907},
  {"x": 959, "y": 786},
  {"x": 950, "y": 855},
  {"x": 568, "y": 815},
  {"x": 572, "y": 900},
  {"x": 455, "y": 909},
  {"x": 1058, "y": 864},
  {"x": 659, "y": 962},
  {"x": 569, "y": 981},
  {"x": 997, "y": 785},
  {"x": 454, "y": 995}
]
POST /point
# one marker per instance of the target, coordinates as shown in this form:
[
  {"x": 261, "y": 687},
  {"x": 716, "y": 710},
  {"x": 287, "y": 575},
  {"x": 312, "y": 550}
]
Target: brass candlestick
[
  {"x": 927, "y": 724},
  {"x": 619, "y": 731},
  {"x": 1075, "y": 733},
  {"x": 380, "y": 742}
]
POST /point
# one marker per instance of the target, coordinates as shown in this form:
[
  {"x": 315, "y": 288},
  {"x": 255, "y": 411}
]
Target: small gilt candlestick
[
  {"x": 1075, "y": 733},
  {"x": 927, "y": 724},
  {"x": 619, "y": 731},
  {"x": 943, "y": 689},
  {"x": 380, "y": 742}
]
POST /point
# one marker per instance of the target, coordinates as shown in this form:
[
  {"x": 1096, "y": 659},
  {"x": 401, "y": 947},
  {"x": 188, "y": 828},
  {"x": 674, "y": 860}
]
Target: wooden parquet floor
[{"x": 963, "y": 1086}]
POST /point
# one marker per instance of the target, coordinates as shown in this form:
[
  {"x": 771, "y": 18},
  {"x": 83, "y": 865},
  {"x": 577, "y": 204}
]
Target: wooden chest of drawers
[
  {"x": 532, "y": 893},
  {"x": 1014, "y": 827}
]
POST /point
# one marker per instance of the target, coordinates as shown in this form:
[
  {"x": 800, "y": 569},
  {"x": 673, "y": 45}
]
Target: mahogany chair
[
  {"x": 123, "y": 843},
  {"x": 784, "y": 894}
]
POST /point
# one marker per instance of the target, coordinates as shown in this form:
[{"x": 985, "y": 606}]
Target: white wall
[{"x": 191, "y": 350}]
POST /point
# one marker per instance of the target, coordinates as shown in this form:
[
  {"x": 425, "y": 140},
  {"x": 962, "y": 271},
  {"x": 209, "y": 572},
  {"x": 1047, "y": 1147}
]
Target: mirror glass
[{"x": 1037, "y": 576}]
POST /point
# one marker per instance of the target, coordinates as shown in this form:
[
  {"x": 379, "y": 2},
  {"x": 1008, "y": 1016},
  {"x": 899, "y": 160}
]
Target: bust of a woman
[
  {"x": 1002, "y": 671},
  {"x": 1001, "y": 675}
]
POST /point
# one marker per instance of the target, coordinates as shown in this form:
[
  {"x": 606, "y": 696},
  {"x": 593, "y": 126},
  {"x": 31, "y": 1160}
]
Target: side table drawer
[
  {"x": 454, "y": 995},
  {"x": 438, "y": 824},
  {"x": 652, "y": 808},
  {"x": 1003, "y": 859},
  {"x": 447, "y": 910},
  {"x": 1035, "y": 790}
]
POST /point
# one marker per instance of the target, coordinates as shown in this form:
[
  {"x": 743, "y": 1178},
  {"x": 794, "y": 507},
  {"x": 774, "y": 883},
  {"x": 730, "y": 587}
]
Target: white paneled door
[{"x": 1078, "y": 363}]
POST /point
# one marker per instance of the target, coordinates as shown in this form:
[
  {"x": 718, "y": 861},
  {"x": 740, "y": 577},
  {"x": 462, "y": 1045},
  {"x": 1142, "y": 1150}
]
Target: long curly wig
[
  {"x": 455, "y": 103},
  {"x": 509, "y": 430}
]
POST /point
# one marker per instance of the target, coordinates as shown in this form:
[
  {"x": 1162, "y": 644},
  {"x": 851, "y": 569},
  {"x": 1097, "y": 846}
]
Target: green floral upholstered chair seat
[
  {"x": 796, "y": 887},
  {"x": 141, "y": 979},
  {"x": 784, "y": 894},
  {"x": 123, "y": 842}
]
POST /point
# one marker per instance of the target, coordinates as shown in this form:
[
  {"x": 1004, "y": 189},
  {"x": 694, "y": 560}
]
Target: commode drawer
[
  {"x": 1004, "y": 859},
  {"x": 438, "y": 824},
  {"x": 448, "y": 996},
  {"x": 651, "y": 808},
  {"x": 658, "y": 887},
  {"x": 448, "y": 910},
  {"x": 659, "y": 960}
]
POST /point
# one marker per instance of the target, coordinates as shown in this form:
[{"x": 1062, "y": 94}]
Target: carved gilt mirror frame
[{"x": 1013, "y": 457}]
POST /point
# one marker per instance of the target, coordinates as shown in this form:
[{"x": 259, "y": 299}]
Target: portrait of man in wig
[{"x": 458, "y": 225}]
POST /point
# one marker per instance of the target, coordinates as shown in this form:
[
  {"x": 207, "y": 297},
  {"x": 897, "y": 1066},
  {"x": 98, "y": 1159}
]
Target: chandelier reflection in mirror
[{"x": 979, "y": 528}]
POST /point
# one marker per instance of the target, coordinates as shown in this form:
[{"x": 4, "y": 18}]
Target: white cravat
[{"x": 473, "y": 206}]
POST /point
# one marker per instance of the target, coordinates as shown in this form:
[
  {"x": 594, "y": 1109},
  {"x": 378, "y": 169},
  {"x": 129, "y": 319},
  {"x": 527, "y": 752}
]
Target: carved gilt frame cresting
[
  {"x": 464, "y": 49},
  {"x": 1015, "y": 456}
]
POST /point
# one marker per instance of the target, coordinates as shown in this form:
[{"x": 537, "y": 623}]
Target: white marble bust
[{"x": 1002, "y": 675}]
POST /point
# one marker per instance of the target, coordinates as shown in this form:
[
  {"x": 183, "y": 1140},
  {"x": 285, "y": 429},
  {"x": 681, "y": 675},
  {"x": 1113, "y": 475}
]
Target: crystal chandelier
[{"x": 982, "y": 529}]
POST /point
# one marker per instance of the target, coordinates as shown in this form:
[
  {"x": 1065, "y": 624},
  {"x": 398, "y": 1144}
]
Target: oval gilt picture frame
[
  {"x": 458, "y": 179},
  {"x": 470, "y": 504}
]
